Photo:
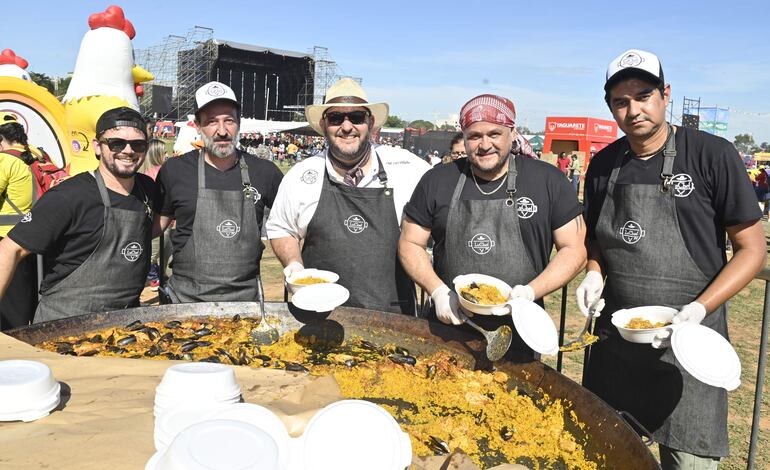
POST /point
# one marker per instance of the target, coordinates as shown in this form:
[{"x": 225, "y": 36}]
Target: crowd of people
[
  {"x": 658, "y": 205},
  {"x": 285, "y": 149}
]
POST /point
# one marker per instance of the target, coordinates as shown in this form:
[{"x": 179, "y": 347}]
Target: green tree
[
  {"x": 395, "y": 121},
  {"x": 43, "y": 80},
  {"x": 422, "y": 124},
  {"x": 62, "y": 85},
  {"x": 744, "y": 143},
  {"x": 764, "y": 146}
]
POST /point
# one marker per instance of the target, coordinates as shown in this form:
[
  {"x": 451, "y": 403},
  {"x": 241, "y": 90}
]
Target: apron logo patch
[
  {"x": 309, "y": 177},
  {"x": 252, "y": 193},
  {"x": 132, "y": 251},
  {"x": 356, "y": 224},
  {"x": 631, "y": 232},
  {"x": 27, "y": 218},
  {"x": 682, "y": 184},
  {"x": 525, "y": 208},
  {"x": 228, "y": 228},
  {"x": 481, "y": 243}
]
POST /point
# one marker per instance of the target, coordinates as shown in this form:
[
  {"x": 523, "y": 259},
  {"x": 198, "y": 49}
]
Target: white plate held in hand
[{"x": 320, "y": 297}]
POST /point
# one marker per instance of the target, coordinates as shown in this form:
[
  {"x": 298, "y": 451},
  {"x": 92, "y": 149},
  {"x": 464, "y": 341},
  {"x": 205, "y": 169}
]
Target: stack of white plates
[
  {"x": 196, "y": 384},
  {"x": 218, "y": 445},
  {"x": 28, "y": 390}
]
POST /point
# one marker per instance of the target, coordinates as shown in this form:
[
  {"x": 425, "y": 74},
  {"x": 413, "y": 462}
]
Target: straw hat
[{"x": 346, "y": 92}]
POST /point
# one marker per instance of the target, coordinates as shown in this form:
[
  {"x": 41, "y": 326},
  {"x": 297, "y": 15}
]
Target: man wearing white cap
[
  {"x": 498, "y": 212},
  {"x": 345, "y": 203},
  {"x": 658, "y": 204},
  {"x": 218, "y": 196}
]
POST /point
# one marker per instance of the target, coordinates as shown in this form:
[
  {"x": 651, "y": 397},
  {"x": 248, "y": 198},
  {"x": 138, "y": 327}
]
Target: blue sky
[{"x": 427, "y": 58}]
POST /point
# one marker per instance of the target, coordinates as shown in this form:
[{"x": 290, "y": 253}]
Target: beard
[
  {"x": 213, "y": 148},
  {"x": 349, "y": 157},
  {"x": 489, "y": 168},
  {"x": 122, "y": 172}
]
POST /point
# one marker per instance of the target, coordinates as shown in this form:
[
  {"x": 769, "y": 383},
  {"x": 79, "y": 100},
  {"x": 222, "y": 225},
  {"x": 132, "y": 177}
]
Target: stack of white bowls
[
  {"x": 196, "y": 384},
  {"x": 28, "y": 390}
]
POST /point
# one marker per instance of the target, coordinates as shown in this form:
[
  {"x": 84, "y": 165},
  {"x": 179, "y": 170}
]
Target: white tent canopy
[{"x": 249, "y": 126}]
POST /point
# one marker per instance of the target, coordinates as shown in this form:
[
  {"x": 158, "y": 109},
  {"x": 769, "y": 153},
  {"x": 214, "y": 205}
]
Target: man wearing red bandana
[{"x": 498, "y": 212}]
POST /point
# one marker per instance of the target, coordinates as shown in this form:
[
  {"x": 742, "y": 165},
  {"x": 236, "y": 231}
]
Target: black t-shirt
[
  {"x": 540, "y": 181},
  {"x": 66, "y": 223},
  {"x": 722, "y": 194},
  {"x": 178, "y": 181}
]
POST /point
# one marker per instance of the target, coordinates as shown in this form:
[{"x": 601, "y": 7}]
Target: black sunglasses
[
  {"x": 355, "y": 117},
  {"x": 116, "y": 145}
]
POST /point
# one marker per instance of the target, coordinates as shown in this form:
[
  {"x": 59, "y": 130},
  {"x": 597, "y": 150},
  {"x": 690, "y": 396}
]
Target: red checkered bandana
[
  {"x": 497, "y": 110},
  {"x": 488, "y": 108}
]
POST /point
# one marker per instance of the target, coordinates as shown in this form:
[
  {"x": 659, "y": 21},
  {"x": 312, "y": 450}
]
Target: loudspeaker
[
  {"x": 690, "y": 120},
  {"x": 161, "y": 100}
]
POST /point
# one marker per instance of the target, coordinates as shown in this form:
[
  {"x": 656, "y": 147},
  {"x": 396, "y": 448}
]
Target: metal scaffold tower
[
  {"x": 325, "y": 73},
  {"x": 182, "y": 63}
]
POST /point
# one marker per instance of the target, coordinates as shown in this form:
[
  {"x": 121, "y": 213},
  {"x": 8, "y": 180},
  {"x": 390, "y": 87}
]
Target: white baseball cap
[
  {"x": 634, "y": 62},
  {"x": 213, "y": 91}
]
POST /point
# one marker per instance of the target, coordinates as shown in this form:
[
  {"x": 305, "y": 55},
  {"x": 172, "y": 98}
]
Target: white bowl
[
  {"x": 197, "y": 379},
  {"x": 218, "y": 445},
  {"x": 354, "y": 435},
  {"x": 327, "y": 276},
  {"x": 466, "y": 279},
  {"x": 163, "y": 406},
  {"x": 28, "y": 390},
  {"x": 654, "y": 313}
]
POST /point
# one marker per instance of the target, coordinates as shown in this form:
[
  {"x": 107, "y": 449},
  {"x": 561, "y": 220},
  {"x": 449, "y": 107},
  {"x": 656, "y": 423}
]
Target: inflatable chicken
[{"x": 105, "y": 77}]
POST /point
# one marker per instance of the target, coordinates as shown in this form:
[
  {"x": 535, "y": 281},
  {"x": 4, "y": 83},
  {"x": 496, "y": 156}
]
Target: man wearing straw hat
[{"x": 345, "y": 203}]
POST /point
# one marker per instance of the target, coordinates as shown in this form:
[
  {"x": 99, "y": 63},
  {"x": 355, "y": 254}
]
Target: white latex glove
[
  {"x": 447, "y": 304},
  {"x": 589, "y": 292},
  {"x": 693, "y": 312},
  {"x": 520, "y": 291},
  {"x": 662, "y": 340},
  {"x": 292, "y": 268}
]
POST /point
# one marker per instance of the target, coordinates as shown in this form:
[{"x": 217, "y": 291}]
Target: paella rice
[{"x": 441, "y": 404}]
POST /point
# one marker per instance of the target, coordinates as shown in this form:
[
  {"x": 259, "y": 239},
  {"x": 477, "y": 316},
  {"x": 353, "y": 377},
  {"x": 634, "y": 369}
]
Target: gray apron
[
  {"x": 646, "y": 263},
  {"x": 220, "y": 261},
  {"x": 113, "y": 276},
  {"x": 354, "y": 233},
  {"x": 484, "y": 236}
]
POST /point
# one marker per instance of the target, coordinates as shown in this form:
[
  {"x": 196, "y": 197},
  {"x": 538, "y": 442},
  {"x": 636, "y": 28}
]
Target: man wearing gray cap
[
  {"x": 94, "y": 228},
  {"x": 218, "y": 197},
  {"x": 658, "y": 204}
]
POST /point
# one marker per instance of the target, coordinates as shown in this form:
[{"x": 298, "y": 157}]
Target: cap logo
[
  {"x": 632, "y": 59},
  {"x": 215, "y": 90}
]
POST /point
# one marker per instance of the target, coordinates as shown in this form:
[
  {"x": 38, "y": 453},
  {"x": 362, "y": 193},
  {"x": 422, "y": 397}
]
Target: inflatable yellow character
[{"x": 105, "y": 77}]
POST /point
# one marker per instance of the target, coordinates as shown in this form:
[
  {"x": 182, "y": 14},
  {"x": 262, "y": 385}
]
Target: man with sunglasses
[
  {"x": 94, "y": 229},
  {"x": 218, "y": 197},
  {"x": 345, "y": 204}
]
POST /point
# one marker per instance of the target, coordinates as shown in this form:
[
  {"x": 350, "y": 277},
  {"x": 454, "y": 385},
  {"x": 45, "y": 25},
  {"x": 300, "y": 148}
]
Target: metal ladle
[
  {"x": 264, "y": 333},
  {"x": 498, "y": 341}
]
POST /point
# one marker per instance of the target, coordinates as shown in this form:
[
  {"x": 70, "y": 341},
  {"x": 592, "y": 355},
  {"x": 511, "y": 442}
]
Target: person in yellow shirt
[{"x": 16, "y": 197}]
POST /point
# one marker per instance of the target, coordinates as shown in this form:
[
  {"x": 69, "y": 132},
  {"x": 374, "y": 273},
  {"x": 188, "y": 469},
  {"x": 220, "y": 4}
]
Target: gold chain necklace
[{"x": 494, "y": 190}]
